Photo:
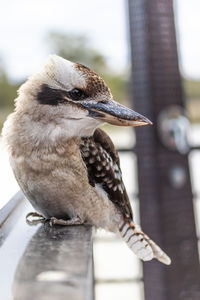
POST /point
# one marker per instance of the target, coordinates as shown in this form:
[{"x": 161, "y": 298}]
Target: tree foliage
[{"x": 8, "y": 91}]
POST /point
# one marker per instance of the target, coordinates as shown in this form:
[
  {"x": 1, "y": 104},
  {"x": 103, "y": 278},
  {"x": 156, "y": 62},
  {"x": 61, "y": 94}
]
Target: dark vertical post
[{"x": 166, "y": 211}]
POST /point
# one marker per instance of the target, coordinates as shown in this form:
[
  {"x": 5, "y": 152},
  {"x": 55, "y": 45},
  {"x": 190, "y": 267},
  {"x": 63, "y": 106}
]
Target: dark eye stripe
[{"x": 50, "y": 96}]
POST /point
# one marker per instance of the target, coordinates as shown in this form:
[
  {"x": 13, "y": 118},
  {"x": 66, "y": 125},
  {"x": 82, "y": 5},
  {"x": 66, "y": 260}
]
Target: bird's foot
[
  {"x": 74, "y": 221},
  {"x": 34, "y": 218}
]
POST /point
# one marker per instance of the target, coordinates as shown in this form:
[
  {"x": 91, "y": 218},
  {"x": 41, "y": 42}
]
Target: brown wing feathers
[{"x": 102, "y": 161}]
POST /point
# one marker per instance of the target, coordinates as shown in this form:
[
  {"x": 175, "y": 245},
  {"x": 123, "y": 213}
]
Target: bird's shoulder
[{"x": 103, "y": 166}]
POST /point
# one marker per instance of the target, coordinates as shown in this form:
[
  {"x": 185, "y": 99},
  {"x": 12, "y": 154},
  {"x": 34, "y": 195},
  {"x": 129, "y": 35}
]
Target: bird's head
[{"x": 75, "y": 97}]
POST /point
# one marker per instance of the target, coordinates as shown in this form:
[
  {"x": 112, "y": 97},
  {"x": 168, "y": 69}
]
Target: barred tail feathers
[{"x": 145, "y": 248}]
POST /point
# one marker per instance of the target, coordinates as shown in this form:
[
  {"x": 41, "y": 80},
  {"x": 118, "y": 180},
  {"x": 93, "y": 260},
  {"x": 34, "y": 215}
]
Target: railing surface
[{"x": 43, "y": 262}]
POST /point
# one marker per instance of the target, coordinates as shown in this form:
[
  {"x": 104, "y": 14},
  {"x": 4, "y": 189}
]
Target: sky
[
  {"x": 188, "y": 36},
  {"x": 24, "y": 26}
]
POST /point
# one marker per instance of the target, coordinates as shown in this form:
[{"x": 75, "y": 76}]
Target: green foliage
[
  {"x": 192, "y": 91},
  {"x": 192, "y": 88},
  {"x": 76, "y": 48},
  {"x": 8, "y": 92}
]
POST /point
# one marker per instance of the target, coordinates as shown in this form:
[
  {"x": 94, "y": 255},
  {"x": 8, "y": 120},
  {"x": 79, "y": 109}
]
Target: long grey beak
[{"x": 115, "y": 113}]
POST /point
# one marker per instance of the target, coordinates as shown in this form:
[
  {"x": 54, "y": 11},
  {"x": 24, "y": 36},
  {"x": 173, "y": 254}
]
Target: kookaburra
[{"x": 67, "y": 167}]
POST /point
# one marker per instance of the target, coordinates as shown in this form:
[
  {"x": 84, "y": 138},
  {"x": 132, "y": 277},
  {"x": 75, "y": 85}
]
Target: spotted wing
[{"x": 102, "y": 161}]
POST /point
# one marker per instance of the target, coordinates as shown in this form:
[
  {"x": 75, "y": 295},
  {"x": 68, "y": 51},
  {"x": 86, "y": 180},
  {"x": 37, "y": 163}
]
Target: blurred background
[{"x": 97, "y": 34}]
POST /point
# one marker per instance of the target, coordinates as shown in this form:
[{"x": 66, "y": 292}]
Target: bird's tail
[{"x": 141, "y": 244}]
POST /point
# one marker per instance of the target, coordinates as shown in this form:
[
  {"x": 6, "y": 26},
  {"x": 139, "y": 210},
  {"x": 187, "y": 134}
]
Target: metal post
[{"x": 166, "y": 210}]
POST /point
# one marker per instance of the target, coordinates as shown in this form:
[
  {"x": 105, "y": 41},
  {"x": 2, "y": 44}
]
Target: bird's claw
[
  {"x": 35, "y": 218},
  {"x": 52, "y": 221}
]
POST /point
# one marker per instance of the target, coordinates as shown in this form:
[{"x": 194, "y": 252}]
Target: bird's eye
[{"x": 77, "y": 94}]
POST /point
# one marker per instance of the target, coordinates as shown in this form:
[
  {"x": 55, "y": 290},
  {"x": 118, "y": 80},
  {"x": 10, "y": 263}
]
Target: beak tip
[{"x": 146, "y": 121}]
